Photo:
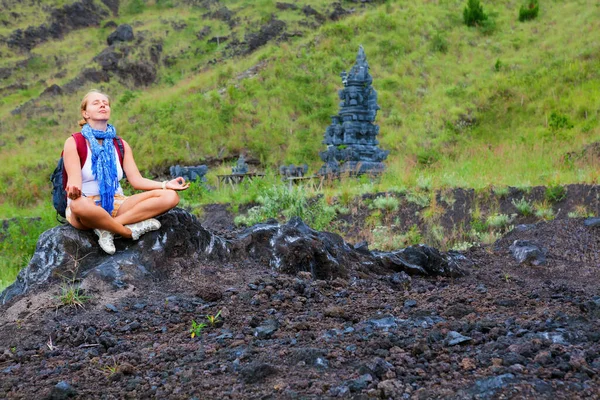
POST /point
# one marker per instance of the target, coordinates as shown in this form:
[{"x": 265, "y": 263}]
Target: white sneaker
[
  {"x": 139, "y": 228},
  {"x": 105, "y": 240}
]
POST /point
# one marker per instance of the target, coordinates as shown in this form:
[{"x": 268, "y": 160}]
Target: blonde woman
[{"x": 95, "y": 161}]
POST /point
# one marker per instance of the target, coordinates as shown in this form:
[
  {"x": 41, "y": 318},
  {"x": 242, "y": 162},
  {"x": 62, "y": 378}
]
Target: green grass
[{"x": 459, "y": 108}]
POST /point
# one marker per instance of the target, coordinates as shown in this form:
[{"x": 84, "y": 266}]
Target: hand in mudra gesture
[{"x": 177, "y": 184}]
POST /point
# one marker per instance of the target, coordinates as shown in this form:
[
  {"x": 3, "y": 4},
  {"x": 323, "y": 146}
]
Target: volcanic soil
[{"x": 505, "y": 330}]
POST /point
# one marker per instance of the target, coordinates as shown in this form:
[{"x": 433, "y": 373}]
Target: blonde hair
[{"x": 84, "y": 102}]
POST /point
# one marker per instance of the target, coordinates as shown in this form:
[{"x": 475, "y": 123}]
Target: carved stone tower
[{"x": 351, "y": 137}]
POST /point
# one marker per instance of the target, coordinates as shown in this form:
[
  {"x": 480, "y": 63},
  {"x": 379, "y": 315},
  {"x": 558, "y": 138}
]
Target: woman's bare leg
[
  {"x": 146, "y": 205},
  {"x": 85, "y": 214}
]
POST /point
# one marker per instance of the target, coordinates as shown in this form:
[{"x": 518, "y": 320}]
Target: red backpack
[{"x": 59, "y": 176}]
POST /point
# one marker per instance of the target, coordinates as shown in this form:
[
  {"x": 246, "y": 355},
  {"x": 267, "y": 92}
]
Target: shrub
[
  {"x": 498, "y": 221},
  {"x": 523, "y": 206},
  {"x": 135, "y": 7},
  {"x": 555, "y": 193},
  {"x": 280, "y": 201},
  {"x": 387, "y": 203},
  {"x": 439, "y": 43},
  {"x": 544, "y": 211},
  {"x": 473, "y": 13},
  {"x": 529, "y": 11},
  {"x": 559, "y": 121}
]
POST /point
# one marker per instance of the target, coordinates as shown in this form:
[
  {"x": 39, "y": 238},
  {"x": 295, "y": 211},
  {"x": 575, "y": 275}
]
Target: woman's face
[{"x": 97, "y": 108}]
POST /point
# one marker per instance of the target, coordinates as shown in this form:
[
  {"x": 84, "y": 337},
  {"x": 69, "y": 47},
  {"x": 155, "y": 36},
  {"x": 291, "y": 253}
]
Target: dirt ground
[{"x": 504, "y": 331}]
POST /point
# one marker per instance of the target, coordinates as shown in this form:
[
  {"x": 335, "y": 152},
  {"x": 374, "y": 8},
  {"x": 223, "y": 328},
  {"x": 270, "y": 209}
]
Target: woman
[{"x": 95, "y": 198}]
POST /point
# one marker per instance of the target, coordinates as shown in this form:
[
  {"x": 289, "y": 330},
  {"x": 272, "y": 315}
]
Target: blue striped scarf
[{"x": 104, "y": 163}]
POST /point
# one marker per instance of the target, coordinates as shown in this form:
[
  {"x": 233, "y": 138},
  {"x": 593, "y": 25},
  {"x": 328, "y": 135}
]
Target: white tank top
[{"x": 88, "y": 179}]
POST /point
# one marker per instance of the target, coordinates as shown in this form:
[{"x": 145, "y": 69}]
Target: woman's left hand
[{"x": 177, "y": 184}]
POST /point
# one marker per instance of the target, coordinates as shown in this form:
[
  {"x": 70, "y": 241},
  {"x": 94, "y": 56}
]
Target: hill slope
[{"x": 205, "y": 80}]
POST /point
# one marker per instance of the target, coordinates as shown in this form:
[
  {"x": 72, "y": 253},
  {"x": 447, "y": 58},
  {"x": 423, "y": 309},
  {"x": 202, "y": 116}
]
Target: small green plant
[
  {"x": 544, "y": 211},
  {"x": 386, "y": 203},
  {"x": 498, "y": 221},
  {"x": 213, "y": 319},
  {"x": 501, "y": 191},
  {"x": 555, "y": 193},
  {"x": 462, "y": 246},
  {"x": 72, "y": 296},
  {"x": 419, "y": 198},
  {"x": 580, "y": 212},
  {"x": 498, "y": 65},
  {"x": 473, "y": 14},
  {"x": 134, "y": 7},
  {"x": 529, "y": 11},
  {"x": 559, "y": 121},
  {"x": 506, "y": 276},
  {"x": 439, "y": 43},
  {"x": 13, "y": 349},
  {"x": 524, "y": 207},
  {"x": 196, "y": 329},
  {"x": 111, "y": 369}
]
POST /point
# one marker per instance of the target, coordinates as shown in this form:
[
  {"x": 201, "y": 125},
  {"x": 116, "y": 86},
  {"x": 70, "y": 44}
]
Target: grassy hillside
[
  {"x": 508, "y": 103},
  {"x": 460, "y": 106}
]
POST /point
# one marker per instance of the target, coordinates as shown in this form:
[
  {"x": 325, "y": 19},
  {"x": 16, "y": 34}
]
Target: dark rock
[
  {"x": 113, "y": 5},
  {"x": 286, "y": 6},
  {"x": 52, "y": 91},
  {"x": 360, "y": 383},
  {"x": 62, "y": 390},
  {"x": 267, "y": 32},
  {"x": 453, "y": 338},
  {"x": 154, "y": 255},
  {"x": 486, "y": 388},
  {"x": 591, "y": 307},
  {"x": 257, "y": 372},
  {"x": 309, "y": 11},
  {"x": 267, "y": 329},
  {"x": 204, "y": 32},
  {"x": 295, "y": 247},
  {"x": 81, "y": 14},
  {"x": 528, "y": 252},
  {"x": 309, "y": 356},
  {"x": 592, "y": 222},
  {"x": 5, "y": 72},
  {"x": 110, "y": 24},
  {"x": 338, "y": 12},
  {"x": 124, "y": 33},
  {"x": 111, "y": 307},
  {"x": 377, "y": 367},
  {"x": 418, "y": 260}
]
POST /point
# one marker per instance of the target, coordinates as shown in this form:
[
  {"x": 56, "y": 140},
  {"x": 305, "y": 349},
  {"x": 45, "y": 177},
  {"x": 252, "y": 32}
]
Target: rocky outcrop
[
  {"x": 182, "y": 242},
  {"x": 80, "y": 14}
]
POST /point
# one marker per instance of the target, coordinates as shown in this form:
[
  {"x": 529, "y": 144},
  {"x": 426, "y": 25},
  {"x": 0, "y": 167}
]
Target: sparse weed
[
  {"x": 387, "y": 204},
  {"x": 544, "y": 211},
  {"x": 419, "y": 198},
  {"x": 214, "y": 319},
  {"x": 498, "y": 221},
  {"x": 462, "y": 246},
  {"x": 524, "y": 207},
  {"x": 72, "y": 295},
  {"x": 501, "y": 191},
  {"x": 555, "y": 193},
  {"x": 196, "y": 329},
  {"x": 580, "y": 211}
]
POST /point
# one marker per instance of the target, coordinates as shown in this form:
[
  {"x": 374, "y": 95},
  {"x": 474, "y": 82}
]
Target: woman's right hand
[{"x": 73, "y": 192}]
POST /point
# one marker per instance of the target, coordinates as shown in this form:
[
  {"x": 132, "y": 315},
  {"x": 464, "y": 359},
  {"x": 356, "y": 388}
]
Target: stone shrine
[
  {"x": 190, "y": 174},
  {"x": 351, "y": 137},
  {"x": 241, "y": 167}
]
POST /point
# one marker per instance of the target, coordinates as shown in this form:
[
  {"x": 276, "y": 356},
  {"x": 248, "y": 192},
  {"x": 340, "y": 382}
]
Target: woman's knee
[
  {"x": 171, "y": 198},
  {"x": 79, "y": 206}
]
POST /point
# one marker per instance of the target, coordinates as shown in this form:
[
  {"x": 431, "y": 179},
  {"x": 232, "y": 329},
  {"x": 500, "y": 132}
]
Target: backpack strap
[
  {"x": 118, "y": 142},
  {"x": 82, "y": 150},
  {"x": 81, "y": 147}
]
